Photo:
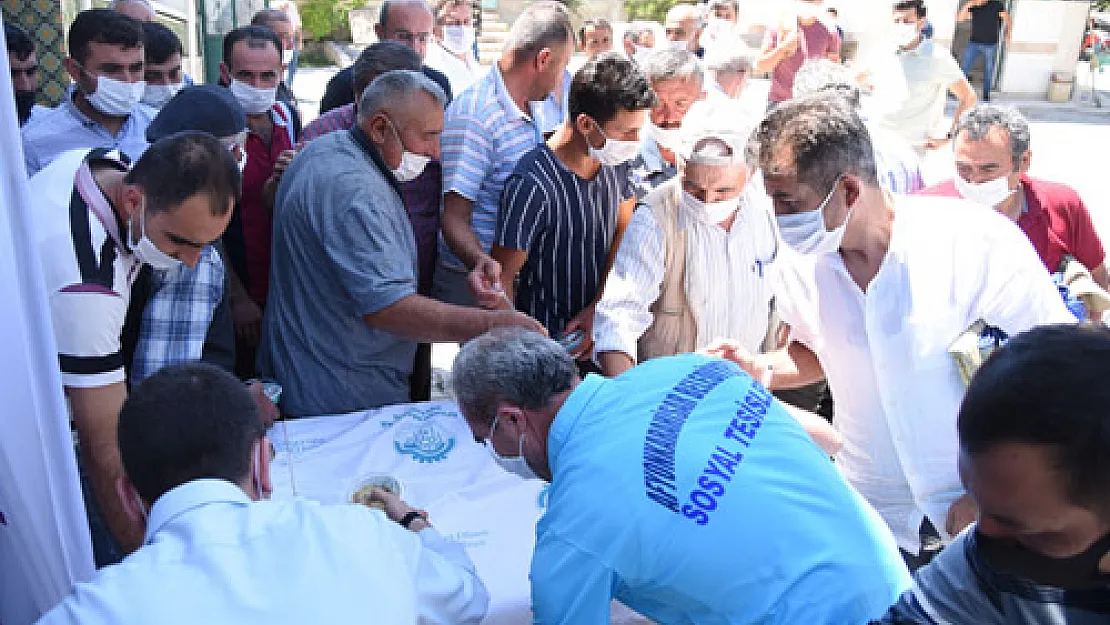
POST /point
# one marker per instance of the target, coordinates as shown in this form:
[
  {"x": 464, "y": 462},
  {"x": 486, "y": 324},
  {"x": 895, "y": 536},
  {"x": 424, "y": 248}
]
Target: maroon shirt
[
  {"x": 1056, "y": 222},
  {"x": 817, "y": 42}
]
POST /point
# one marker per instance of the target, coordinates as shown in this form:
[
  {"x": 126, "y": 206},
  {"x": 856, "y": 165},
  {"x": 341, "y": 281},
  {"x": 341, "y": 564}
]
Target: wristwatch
[{"x": 411, "y": 516}]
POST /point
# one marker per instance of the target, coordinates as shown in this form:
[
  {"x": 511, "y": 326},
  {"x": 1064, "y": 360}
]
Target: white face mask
[
  {"x": 614, "y": 151},
  {"x": 990, "y": 193},
  {"x": 713, "y": 212},
  {"x": 805, "y": 232},
  {"x": 146, "y": 251},
  {"x": 458, "y": 39},
  {"x": 904, "y": 34},
  {"x": 115, "y": 97},
  {"x": 516, "y": 465},
  {"x": 254, "y": 101},
  {"x": 412, "y": 165},
  {"x": 669, "y": 138},
  {"x": 287, "y": 56},
  {"x": 679, "y": 45},
  {"x": 157, "y": 95}
]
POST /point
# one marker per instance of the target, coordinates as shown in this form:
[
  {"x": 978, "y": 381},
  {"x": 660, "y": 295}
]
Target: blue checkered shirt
[{"x": 176, "y": 319}]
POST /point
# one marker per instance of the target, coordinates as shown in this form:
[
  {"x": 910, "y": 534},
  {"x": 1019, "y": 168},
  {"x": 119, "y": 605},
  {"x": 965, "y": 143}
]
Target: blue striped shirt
[
  {"x": 566, "y": 224},
  {"x": 485, "y": 133}
]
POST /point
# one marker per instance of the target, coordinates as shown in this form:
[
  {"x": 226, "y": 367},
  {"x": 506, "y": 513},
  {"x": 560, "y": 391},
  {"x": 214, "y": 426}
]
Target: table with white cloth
[{"x": 430, "y": 450}]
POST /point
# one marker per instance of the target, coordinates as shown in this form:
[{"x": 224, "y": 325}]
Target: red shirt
[
  {"x": 257, "y": 219},
  {"x": 816, "y": 42},
  {"x": 1056, "y": 222}
]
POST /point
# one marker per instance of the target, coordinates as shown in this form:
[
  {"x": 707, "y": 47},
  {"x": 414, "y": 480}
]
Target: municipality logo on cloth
[{"x": 417, "y": 434}]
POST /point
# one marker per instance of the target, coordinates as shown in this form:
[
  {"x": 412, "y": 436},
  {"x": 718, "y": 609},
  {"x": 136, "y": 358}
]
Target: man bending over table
[
  {"x": 197, "y": 464},
  {"x": 681, "y": 488}
]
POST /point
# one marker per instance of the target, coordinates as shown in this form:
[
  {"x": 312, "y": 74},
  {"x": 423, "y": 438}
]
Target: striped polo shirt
[
  {"x": 484, "y": 135},
  {"x": 566, "y": 224}
]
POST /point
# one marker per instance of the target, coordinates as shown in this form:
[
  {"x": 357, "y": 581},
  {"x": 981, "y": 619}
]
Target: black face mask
[
  {"x": 1073, "y": 572},
  {"x": 24, "y": 100}
]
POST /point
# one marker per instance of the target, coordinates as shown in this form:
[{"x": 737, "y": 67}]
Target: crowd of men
[{"x": 634, "y": 256}]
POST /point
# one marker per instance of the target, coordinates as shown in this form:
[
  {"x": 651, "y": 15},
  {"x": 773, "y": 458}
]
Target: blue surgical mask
[{"x": 806, "y": 233}]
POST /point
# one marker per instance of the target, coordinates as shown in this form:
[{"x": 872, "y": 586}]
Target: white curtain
[{"x": 44, "y": 538}]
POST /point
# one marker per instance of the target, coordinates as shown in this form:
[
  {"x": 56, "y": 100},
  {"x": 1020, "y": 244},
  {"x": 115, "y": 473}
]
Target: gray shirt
[
  {"x": 960, "y": 587},
  {"x": 342, "y": 248}
]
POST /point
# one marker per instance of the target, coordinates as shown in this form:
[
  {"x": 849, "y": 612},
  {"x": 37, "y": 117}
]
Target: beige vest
[{"x": 674, "y": 328}]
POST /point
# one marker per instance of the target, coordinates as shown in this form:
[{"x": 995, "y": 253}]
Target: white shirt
[
  {"x": 714, "y": 257},
  {"x": 212, "y": 555},
  {"x": 461, "y": 73},
  {"x": 885, "y": 352},
  {"x": 928, "y": 70},
  {"x": 88, "y": 276}
]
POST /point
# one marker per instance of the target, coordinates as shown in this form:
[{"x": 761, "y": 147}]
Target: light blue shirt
[
  {"x": 66, "y": 128},
  {"x": 484, "y": 135},
  {"x": 211, "y": 555},
  {"x": 684, "y": 490}
]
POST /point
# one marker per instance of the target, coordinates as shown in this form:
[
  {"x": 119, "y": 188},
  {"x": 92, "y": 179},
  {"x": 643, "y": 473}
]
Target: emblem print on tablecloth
[{"x": 417, "y": 434}]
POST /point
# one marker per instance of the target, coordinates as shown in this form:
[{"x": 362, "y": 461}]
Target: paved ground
[{"x": 1071, "y": 144}]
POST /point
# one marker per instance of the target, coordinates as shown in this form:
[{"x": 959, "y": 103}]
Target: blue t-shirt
[{"x": 686, "y": 491}]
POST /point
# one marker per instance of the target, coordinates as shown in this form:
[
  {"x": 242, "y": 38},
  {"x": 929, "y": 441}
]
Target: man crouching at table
[
  {"x": 198, "y": 463},
  {"x": 681, "y": 488},
  {"x": 343, "y": 317}
]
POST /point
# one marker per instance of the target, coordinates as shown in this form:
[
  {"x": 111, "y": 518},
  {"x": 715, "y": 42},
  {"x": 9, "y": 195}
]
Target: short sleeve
[
  {"x": 1083, "y": 239},
  {"x": 88, "y": 320},
  {"x": 947, "y": 70},
  {"x": 523, "y": 209},
  {"x": 369, "y": 254},
  {"x": 466, "y": 153}
]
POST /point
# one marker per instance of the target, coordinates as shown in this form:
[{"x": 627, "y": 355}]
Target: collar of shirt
[
  {"x": 652, "y": 157},
  {"x": 98, "y": 203},
  {"x": 362, "y": 141},
  {"x": 504, "y": 96},
  {"x": 71, "y": 109},
  {"x": 189, "y": 496},
  {"x": 569, "y": 414}
]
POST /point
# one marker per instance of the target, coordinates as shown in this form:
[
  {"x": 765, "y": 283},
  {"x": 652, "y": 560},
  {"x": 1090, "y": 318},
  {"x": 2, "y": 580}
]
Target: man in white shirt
[
  {"x": 198, "y": 467},
  {"x": 452, "y": 49},
  {"x": 880, "y": 288}
]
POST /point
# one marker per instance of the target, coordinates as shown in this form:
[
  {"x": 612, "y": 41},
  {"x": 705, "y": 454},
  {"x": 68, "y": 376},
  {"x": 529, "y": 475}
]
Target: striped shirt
[
  {"x": 566, "y": 224},
  {"x": 334, "y": 120},
  {"x": 485, "y": 133}
]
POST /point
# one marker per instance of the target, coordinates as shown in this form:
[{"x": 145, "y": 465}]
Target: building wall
[{"x": 44, "y": 20}]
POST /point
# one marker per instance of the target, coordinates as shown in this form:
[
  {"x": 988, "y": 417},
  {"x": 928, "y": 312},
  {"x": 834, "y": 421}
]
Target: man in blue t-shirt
[
  {"x": 564, "y": 208},
  {"x": 681, "y": 488}
]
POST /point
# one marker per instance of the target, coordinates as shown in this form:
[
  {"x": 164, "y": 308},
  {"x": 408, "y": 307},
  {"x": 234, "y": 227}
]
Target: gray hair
[
  {"x": 395, "y": 89},
  {"x": 979, "y": 120},
  {"x": 116, "y": 4},
  {"x": 669, "y": 64},
  {"x": 383, "y": 13},
  {"x": 730, "y": 58},
  {"x": 542, "y": 24},
  {"x": 824, "y": 76},
  {"x": 688, "y": 11},
  {"x": 265, "y": 17},
  {"x": 730, "y": 3},
  {"x": 379, "y": 58},
  {"x": 824, "y": 137},
  {"x": 510, "y": 365}
]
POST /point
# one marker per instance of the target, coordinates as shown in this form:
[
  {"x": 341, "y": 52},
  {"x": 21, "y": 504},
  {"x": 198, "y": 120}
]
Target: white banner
[{"x": 44, "y": 538}]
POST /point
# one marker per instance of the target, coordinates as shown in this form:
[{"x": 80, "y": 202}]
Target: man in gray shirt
[
  {"x": 1035, "y": 455},
  {"x": 343, "y": 316}
]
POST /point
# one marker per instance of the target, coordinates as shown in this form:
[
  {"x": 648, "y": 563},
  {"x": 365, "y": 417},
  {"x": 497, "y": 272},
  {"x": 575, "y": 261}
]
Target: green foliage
[
  {"x": 652, "y": 10},
  {"x": 326, "y": 19}
]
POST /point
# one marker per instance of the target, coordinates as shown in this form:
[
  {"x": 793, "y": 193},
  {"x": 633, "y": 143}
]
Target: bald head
[
  {"x": 140, "y": 10},
  {"x": 406, "y": 21}
]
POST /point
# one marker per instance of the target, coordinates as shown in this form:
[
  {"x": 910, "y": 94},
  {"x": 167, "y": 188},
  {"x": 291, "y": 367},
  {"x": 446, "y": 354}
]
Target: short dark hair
[
  {"x": 825, "y": 136},
  {"x": 20, "y": 45},
  {"x": 607, "y": 84},
  {"x": 1048, "y": 387},
  {"x": 187, "y": 422},
  {"x": 255, "y": 36},
  {"x": 379, "y": 58},
  {"x": 598, "y": 23},
  {"x": 265, "y": 17},
  {"x": 103, "y": 26},
  {"x": 917, "y": 6},
  {"x": 160, "y": 43},
  {"x": 179, "y": 166}
]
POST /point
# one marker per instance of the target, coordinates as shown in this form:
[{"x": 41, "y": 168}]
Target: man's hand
[
  {"x": 485, "y": 283},
  {"x": 735, "y": 352},
  {"x": 514, "y": 319},
  {"x": 266, "y": 408},
  {"x": 282, "y": 162},
  {"x": 396, "y": 508},
  {"x": 583, "y": 321},
  {"x": 790, "y": 41},
  {"x": 962, "y": 513},
  {"x": 247, "y": 318}
]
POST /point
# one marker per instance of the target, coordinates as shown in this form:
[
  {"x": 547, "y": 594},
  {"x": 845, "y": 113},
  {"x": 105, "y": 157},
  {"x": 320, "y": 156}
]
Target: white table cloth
[{"x": 430, "y": 449}]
